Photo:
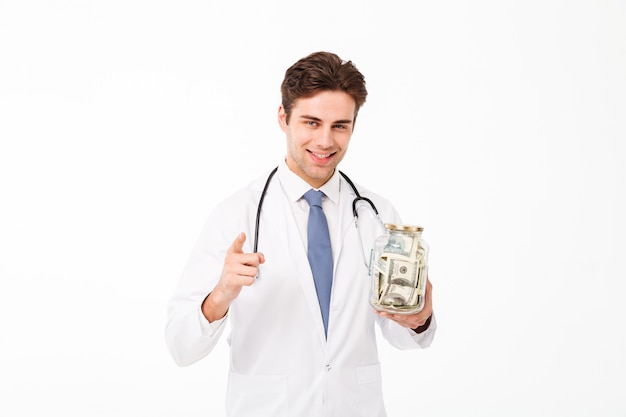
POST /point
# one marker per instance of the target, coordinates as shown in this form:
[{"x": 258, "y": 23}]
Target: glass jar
[{"x": 399, "y": 269}]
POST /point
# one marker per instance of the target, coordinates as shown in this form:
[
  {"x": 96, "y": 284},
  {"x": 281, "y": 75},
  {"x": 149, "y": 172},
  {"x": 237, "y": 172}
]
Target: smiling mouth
[{"x": 322, "y": 155}]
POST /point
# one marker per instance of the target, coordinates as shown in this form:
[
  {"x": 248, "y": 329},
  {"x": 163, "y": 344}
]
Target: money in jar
[{"x": 399, "y": 269}]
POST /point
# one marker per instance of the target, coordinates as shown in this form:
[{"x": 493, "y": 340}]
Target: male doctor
[{"x": 298, "y": 346}]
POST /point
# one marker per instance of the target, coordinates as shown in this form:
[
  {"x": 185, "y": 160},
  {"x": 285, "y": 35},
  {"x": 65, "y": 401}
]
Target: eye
[
  {"x": 340, "y": 127},
  {"x": 310, "y": 123}
]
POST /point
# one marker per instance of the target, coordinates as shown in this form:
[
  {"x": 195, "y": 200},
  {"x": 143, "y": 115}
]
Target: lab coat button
[{"x": 327, "y": 368}]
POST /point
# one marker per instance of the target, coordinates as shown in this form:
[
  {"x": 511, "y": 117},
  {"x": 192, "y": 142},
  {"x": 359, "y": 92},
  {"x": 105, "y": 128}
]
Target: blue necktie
[{"x": 320, "y": 254}]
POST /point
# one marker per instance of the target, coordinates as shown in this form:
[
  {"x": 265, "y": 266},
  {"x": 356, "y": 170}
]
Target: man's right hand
[{"x": 240, "y": 269}]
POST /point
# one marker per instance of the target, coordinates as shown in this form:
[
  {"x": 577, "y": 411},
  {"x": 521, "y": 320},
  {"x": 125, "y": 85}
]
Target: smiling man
[{"x": 302, "y": 339}]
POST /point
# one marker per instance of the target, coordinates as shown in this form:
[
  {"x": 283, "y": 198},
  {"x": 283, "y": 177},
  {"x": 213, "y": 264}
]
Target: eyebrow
[{"x": 317, "y": 119}]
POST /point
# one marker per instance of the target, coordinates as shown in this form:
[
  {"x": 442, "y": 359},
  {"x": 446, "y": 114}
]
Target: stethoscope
[{"x": 354, "y": 208}]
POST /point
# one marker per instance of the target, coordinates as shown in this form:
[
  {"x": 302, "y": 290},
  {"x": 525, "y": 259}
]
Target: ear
[{"x": 282, "y": 118}]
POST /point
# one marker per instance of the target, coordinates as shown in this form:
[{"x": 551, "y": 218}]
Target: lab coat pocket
[
  {"x": 370, "y": 387},
  {"x": 257, "y": 395}
]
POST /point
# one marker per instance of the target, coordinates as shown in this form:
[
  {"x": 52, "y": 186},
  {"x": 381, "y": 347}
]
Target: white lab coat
[{"x": 281, "y": 362}]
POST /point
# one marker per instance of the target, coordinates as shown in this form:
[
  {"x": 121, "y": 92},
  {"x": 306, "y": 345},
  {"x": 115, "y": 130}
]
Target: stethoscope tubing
[{"x": 267, "y": 183}]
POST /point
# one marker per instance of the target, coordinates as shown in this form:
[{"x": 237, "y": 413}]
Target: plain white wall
[{"x": 497, "y": 125}]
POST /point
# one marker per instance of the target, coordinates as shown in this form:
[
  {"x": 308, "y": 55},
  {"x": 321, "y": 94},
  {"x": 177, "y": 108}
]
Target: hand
[
  {"x": 240, "y": 269},
  {"x": 413, "y": 321}
]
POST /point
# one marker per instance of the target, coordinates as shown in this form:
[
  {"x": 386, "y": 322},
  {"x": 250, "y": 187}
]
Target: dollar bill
[
  {"x": 400, "y": 283},
  {"x": 402, "y": 272},
  {"x": 402, "y": 245}
]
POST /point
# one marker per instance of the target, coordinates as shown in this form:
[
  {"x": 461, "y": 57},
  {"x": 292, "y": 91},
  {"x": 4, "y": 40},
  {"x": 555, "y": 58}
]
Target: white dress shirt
[{"x": 294, "y": 188}]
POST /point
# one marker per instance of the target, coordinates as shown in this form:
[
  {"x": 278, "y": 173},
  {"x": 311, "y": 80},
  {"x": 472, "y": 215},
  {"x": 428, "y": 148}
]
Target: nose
[{"x": 325, "y": 138}]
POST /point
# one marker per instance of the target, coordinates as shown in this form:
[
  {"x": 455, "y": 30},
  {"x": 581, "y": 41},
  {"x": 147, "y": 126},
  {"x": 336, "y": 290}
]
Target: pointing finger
[{"x": 237, "y": 246}]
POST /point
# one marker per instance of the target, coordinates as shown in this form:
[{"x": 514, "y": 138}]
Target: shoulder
[
  {"x": 234, "y": 214},
  {"x": 245, "y": 197},
  {"x": 237, "y": 212}
]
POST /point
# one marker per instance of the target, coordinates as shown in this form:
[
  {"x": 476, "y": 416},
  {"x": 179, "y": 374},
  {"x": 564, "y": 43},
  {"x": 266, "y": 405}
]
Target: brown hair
[{"x": 322, "y": 71}]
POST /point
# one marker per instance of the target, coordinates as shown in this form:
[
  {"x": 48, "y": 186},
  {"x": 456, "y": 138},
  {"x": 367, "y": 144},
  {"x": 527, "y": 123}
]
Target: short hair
[{"x": 321, "y": 71}]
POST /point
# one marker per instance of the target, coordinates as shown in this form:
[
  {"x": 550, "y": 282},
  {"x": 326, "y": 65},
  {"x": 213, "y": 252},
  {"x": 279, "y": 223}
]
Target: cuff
[{"x": 207, "y": 328}]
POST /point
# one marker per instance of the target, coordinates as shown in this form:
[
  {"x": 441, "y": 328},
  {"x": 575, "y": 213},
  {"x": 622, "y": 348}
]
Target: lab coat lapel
[
  {"x": 346, "y": 218},
  {"x": 362, "y": 235}
]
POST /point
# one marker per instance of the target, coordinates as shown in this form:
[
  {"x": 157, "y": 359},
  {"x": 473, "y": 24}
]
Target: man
[{"x": 295, "y": 352}]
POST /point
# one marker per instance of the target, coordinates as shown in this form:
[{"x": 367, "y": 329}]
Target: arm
[{"x": 197, "y": 311}]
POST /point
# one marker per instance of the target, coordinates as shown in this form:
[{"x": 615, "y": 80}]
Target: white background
[{"x": 497, "y": 125}]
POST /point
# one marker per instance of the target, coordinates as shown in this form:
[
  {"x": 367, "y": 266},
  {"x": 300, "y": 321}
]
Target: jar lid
[{"x": 403, "y": 227}]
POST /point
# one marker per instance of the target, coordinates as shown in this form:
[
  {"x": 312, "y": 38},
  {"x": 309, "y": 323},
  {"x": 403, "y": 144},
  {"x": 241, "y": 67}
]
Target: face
[{"x": 318, "y": 134}]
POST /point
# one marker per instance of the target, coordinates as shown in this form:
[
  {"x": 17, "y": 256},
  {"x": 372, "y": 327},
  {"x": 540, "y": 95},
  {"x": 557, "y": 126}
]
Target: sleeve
[
  {"x": 405, "y": 339},
  {"x": 425, "y": 338}
]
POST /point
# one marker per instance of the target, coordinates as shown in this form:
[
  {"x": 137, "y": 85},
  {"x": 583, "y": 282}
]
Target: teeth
[{"x": 319, "y": 155}]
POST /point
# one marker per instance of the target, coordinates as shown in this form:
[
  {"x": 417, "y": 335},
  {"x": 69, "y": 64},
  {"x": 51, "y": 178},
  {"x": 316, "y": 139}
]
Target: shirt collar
[{"x": 295, "y": 187}]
